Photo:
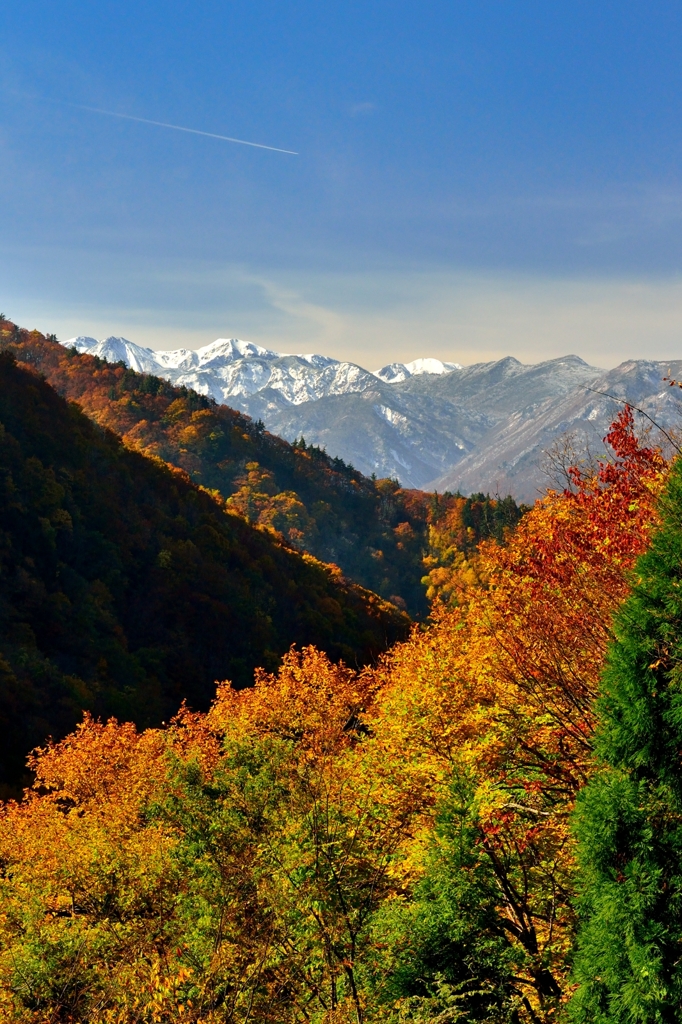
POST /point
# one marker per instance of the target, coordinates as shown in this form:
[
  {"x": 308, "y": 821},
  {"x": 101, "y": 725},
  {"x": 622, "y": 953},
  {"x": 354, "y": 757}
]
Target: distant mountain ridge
[
  {"x": 229, "y": 368},
  {"x": 429, "y": 424}
]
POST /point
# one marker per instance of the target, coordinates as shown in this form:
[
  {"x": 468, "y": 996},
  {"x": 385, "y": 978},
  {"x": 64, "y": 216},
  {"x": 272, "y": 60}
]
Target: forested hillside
[
  {"x": 126, "y": 589},
  {"x": 375, "y": 531},
  {"x": 394, "y": 844}
]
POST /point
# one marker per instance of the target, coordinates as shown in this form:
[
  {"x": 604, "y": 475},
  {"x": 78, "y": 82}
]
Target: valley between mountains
[{"x": 430, "y": 425}]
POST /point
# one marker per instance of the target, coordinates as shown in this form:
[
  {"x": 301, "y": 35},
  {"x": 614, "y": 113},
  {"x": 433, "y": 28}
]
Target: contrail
[{"x": 181, "y": 128}]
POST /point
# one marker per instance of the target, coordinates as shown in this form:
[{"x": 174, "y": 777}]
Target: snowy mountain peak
[
  {"x": 230, "y": 349},
  {"x": 427, "y": 423},
  {"x": 115, "y": 349},
  {"x": 218, "y": 354},
  {"x": 418, "y": 366},
  {"x": 393, "y": 373}
]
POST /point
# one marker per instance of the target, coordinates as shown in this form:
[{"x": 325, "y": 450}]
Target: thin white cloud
[{"x": 180, "y": 128}]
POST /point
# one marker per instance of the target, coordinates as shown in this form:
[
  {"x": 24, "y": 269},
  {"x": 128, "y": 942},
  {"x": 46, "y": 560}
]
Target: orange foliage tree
[
  {"x": 222, "y": 868},
  {"x": 457, "y": 527},
  {"x": 500, "y": 692}
]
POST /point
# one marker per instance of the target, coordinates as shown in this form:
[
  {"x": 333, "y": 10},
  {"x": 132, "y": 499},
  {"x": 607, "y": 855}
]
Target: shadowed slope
[{"x": 126, "y": 589}]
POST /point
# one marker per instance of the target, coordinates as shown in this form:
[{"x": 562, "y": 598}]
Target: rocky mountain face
[
  {"x": 431, "y": 425},
  {"x": 513, "y": 455}
]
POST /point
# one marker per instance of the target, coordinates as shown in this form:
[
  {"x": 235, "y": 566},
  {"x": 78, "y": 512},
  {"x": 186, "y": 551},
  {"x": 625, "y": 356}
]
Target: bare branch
[{"x": 622, "y": 401}]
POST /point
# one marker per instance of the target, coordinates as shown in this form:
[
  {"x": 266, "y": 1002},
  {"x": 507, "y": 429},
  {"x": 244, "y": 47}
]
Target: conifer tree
[{"x": 629, "y": 818}]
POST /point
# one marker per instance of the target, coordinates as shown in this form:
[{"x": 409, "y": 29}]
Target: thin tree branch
[{"x": 623, "y": 401}]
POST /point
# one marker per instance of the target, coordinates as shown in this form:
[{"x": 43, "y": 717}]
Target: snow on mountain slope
[
  {"x": 218, "y": 354},
  {"x": 115, "y": 350},
  {"x": 420, "y": 429},
  {"x": 229, "y": 368}
]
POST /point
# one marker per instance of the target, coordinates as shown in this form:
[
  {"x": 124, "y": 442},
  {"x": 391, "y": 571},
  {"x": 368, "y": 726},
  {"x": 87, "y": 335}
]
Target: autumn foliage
[{"x": 390, "y": 844}]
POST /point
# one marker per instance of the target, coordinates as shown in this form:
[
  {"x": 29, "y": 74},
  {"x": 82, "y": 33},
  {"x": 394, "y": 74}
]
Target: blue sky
[{"x": 473, "y": 179}]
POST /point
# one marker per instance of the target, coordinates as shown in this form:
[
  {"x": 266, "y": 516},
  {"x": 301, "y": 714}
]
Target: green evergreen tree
[
  {"x": 629, "y": 818},
  {"x": 443, "y": 956}
]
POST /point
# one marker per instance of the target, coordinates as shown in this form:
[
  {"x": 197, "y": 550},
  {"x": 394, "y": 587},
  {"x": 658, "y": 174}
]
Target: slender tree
[{"x": 629, "y": 818}]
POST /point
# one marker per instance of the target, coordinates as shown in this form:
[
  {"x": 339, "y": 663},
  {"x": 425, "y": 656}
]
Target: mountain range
[{"x": 429, "y": 424}]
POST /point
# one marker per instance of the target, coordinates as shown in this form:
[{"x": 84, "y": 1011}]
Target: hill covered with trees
[
  {"x": 126, "y": 588},
  {"x": 397, "y": 843},
  {"x": 374, "y": 530}
]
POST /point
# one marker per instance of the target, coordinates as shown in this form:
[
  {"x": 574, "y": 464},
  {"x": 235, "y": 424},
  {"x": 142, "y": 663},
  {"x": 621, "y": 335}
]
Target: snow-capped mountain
[
  {"x": 229, "y": 368},
  {"x": 428, "y": 424},
  {"x": 115, "y": 350},
  {"x": 393, "y": 373}
]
